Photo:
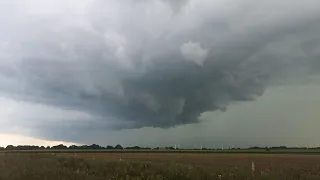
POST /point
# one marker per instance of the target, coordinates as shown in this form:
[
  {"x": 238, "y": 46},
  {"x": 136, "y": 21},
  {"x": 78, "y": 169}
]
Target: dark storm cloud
[{"x": 135, "y": 65}]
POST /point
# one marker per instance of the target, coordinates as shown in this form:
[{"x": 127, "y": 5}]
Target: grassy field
[{"x": 158, "y": 166}]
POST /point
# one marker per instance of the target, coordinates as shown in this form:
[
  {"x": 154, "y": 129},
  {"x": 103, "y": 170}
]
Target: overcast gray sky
[{"x": 160, "y": 72}]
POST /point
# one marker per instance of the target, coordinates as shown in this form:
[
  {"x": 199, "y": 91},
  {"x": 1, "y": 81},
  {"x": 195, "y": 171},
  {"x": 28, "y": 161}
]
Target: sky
[{"x": 160, "y": 72}]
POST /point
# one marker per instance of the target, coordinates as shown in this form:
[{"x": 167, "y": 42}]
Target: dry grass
[{"x": 157, "y": 166}]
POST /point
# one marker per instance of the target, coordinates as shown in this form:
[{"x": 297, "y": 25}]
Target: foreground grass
[{"x": 56, "y": 167}]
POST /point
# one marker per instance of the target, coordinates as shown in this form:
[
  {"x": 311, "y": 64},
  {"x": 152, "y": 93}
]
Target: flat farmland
[{"x": 153, "y": 165}]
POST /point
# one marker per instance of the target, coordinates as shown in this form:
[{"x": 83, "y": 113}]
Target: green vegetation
[
  {"x": 55, "y": 166},
  {"x": 136, "y": 149},
  {"x": 242, "y": 151}
]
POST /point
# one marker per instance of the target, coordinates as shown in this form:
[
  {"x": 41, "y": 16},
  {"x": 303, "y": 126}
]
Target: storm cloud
[{"x": 124, "y": 64}]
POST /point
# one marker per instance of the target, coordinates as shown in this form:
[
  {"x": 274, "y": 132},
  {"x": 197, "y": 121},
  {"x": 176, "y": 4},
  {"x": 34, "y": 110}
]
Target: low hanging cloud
[
  {"x": 133, "y": 64},
  {"x": 194, "y": 53}
]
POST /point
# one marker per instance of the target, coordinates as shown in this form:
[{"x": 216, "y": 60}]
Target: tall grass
[{"x": 58, "y": 167}]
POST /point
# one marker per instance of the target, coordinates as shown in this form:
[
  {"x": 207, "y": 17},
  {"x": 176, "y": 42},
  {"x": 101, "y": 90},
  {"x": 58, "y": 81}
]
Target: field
[{"x": 95, "y": 165}]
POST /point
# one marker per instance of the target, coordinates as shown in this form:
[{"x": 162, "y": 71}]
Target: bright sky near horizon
[{"x": 16, "y": 139}]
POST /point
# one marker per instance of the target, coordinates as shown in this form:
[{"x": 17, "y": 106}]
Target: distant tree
[
  {"x": 109, "y": 147},
  {"x": 10, "y": 147},
  {"x": 94, "y": 146},
  {"x": 2, "y": 148},
  {"x": 279, "y": 147},
  {"x": 118, "y": 147},
  {"x": 73, "y": 147},
  {"x": 60, "y": 146},
  {"x": 171, "y": 148},
  {"x": 84, "y": 147},
  {"x": 255, "y": 147},
  {"x": 134, "y": 147},
  {"x": 48, "y": 147},
  {"x": 21, "y": 148},
  {"x": 25, "y": 147}
]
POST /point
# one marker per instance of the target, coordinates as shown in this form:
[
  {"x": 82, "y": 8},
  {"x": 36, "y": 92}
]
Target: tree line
[
  {"x": 119, "y": 147},
  {"x": 72, "y": 147}
]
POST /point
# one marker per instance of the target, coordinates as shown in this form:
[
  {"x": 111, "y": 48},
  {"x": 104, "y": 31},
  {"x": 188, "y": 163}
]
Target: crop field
[{"x": 159, "y": 166}]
